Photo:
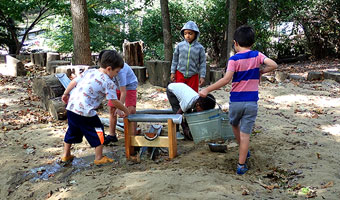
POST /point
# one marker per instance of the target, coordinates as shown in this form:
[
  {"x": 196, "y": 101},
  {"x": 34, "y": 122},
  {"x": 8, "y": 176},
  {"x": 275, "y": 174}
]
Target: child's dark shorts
[
  {"x": 79, "y": 126},
  {"x": 243, "y": 114}
]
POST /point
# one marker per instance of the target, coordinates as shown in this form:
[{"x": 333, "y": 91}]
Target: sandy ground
[{"x": 294, "y": 148}]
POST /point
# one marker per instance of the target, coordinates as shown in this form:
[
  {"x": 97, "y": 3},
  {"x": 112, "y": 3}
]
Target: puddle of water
[{"x": 47, "y": 171}]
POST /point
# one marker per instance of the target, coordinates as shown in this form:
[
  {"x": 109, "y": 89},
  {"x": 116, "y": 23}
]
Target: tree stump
[
  {"x": 56, "y": 108},
  {"x": 280, "y": 76},
  {"x": 51, "y": 56},
  {"x": 314, "y": 76},
  {"x": 71, "y": 69},
  {"x": 133, "y": 53},
  {"x": 140, "y": 72},
  {"x": 215, "y": 75},
  {"x": 334, "y": 75},
  {"x": 159, "y": 72},
  {"x": 39, "y": 59},
  {"x": 52, "y": 65},
  {"x": 47, "y": 87},
  {"x": 14, "y": 67}
]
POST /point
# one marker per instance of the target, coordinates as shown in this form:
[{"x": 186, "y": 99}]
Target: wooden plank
[
  {"x": 127, "y": 130},
  {"x": 172, "y": 139},
  {"x": 140, "y": 141}
]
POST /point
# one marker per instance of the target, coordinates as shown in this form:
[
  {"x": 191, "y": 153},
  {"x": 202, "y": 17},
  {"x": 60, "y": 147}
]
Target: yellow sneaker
[
  {"x": 102, "y": 161},
  {"x": 67, "y": 158}
]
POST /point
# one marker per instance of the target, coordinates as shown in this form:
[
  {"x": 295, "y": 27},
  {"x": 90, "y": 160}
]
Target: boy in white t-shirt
[
  {"x": 82, "y": 96},
  {"x": 184, "y": 99}
]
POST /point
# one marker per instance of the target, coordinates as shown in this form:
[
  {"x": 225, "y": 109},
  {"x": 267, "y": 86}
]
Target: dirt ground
[{"x": 294, "y": 149}]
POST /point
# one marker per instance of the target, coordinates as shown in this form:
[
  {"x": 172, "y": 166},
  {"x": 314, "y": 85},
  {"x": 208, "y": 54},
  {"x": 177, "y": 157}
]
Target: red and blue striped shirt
[{"x": 246, "y": 68}]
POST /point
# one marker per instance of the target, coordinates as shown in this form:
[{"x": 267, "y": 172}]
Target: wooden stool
[{"x": 169, "y": 141}]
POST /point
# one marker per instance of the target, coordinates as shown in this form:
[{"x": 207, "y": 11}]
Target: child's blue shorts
[
  {"x": 243, "y": 114},
  {"x": 79, "y": 126}
]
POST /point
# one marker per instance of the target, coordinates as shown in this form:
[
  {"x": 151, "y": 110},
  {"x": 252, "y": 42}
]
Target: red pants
[{"x": 191, "y": 81}]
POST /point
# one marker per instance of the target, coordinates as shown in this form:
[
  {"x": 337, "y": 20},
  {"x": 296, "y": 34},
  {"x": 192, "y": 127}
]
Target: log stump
[
  {"x": 47, "y": 87},
  {"x": 52, "y": 65},
  {"x": 133, "y": 53},
  {"x": 314, "y": 76},
  {"x": 39, "y": 59},
  {"x": 334, "y": 75},
  {"x": 71, "y": 70},
  {"x": 296, "y": 77},
  {"x": 215, "y": 75},
  {"x": 159, "y": 72},
  {"x": 140, "y": 72},
  {"x": 13, "y": 67},
  {"x": 51, "y": 56},
  {"x": 57, "y": 108}
]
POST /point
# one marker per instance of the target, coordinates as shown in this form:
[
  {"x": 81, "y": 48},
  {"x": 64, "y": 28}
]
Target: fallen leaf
[
  {"x": 318, "y": 155},
  {"x": 329, "y": 184}
]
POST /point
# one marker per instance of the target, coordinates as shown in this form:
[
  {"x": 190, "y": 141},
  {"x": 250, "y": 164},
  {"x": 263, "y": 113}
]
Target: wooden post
[
  {"x": 172, "y": 139},
  {"x": 128, "y": 129}
]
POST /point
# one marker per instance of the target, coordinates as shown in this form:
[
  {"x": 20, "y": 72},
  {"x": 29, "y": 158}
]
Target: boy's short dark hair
[
  {"x": 110, "y": 58},
  {"x": 206, "y": 103},
  {"x": 244, "y": 36}
]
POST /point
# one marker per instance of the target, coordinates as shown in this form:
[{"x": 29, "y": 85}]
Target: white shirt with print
[{"x": 91, "y": 89}]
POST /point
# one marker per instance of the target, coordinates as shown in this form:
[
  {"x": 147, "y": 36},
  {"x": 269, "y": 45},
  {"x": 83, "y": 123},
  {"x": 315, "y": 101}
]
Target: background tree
[
  {"x": 166, "y": 30},
  {"x": 30, "y": 12},
  {"x": 81, "y": 35}
]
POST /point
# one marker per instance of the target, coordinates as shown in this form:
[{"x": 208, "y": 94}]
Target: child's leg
[
  {"x": 99, "y": 152},
  {"x": 236, "y": 131},
  {"x": 243, "y": 148},
  {"x": 113, "y": 121},
  {"x": 67, "y": 150}
]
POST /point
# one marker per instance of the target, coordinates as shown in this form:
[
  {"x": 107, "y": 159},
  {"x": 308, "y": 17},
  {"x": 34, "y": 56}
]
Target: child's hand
[
  {"x": 119, "y": 113},
  {"x": 65, "y": 98},
  {"x": 201, "y": 81},
  {"x": 172, "y": 78},
  {"x": 125, "y": 114},
  {"x": 203, "y": 93}
]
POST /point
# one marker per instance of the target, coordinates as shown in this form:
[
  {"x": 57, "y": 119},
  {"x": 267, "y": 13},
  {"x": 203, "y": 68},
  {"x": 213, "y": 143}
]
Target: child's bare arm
[
  {"x": 66, "y": 94},
  {"x": 270, "y": 66},
  {"x": 220, "y": 83},
  {"x": 120, "y": 106}
]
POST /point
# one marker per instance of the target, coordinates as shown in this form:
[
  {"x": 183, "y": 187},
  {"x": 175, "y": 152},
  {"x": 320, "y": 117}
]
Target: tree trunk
[
  {"x": 81, "y": 34},
  {"x": 166, "y": 30},
  {"x": 224, "y": 47},
  {"x": 133, "y": 53},
  {"x": 231, "y": 26}
]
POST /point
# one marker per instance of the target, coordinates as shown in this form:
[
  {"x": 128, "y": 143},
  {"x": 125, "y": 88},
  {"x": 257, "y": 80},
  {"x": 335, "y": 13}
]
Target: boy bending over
[{"x": 184, "y": 99}]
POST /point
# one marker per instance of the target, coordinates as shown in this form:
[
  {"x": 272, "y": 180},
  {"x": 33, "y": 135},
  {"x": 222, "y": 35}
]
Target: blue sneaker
[
  {"x": 248, "y": 154},
  {"x": 241, "y": 169}
]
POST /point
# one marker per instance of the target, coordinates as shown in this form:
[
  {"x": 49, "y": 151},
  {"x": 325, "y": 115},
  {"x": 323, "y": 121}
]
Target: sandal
[
  {"x": 102, "y": 161},
  {"x": 67, "y": 159}
]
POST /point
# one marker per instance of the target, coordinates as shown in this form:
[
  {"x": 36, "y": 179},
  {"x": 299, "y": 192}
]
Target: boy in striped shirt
[{"x": 245, "y": 72}]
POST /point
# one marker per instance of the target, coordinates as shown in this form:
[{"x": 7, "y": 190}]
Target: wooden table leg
[
  {"x": 128, "y": 131},
  {"x": 172, "y": 139}
]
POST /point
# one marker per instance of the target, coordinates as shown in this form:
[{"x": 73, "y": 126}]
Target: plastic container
[{"x": 209, "y": 125}]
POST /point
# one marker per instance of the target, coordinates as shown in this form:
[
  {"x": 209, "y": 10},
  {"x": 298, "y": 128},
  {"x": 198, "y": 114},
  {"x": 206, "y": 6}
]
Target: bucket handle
[{"x": 214, "y": 116}]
